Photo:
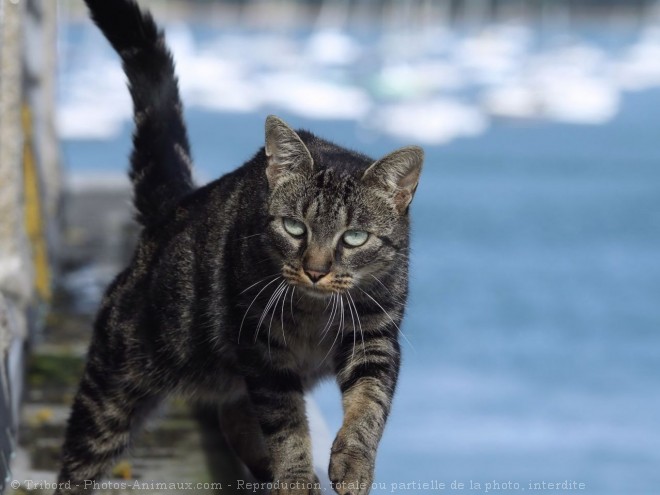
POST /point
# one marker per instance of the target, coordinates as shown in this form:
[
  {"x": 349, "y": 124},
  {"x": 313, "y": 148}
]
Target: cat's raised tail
[{"x": 160, "y": 162}]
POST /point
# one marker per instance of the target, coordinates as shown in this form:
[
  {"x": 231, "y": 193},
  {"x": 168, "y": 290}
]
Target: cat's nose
[
  {"x": 314, "y": 275},
  {"x": 317, "y": 262}
]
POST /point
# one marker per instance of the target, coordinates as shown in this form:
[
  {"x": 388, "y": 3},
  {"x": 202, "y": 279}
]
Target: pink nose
[{"x": 315, "y": 276}]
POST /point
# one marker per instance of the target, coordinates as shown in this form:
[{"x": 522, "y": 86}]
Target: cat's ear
[
  {"x": 398, "y": 174},
  {"x": 285, "y": 152}
]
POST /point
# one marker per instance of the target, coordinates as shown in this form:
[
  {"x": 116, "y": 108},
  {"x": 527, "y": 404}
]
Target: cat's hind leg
[{"x": 109, "y": 406}]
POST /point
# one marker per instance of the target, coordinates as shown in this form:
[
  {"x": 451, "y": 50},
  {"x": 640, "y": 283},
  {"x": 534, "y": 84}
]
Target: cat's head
[{"x": 337, "y": 218}]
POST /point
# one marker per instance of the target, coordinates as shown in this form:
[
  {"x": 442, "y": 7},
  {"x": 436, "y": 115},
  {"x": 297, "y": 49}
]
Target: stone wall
[{"x": 29, "y": 194}]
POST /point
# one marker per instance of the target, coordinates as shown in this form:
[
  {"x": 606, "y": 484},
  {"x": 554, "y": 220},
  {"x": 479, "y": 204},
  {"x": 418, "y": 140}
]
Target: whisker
[
  {"x": 249, "y": 236},
  {"x": 265, "y": 278},
  {"x": 350, "y": 309},
  {"x": 331, "y": 318},
  {"x": 291, "y": 305},
  {"x": 270, "y": 324},
  {"x": 364, "y": 350},
  {"x": 282, "y": 314},
  {"x": 264, "y": 313},
  {"x": 268, "y": 258},
  {"x": 388, "y": 315},
  {"x": 396, "y": 298},
  {"x": 341, "y": 317},
  {"x": 248, "y": 309},
  {"x": 339, "y": 330}
]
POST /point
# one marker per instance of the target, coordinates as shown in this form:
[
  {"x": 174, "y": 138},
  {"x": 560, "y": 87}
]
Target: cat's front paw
[
  {"x": 286, "y": 486},
  {"x": 351, "y": 469}
]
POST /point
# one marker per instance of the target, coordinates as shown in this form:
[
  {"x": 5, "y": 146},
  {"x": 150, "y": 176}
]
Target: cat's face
[
  {"x": 333, "y": 227},
  {"x": 331, "y": 231}
]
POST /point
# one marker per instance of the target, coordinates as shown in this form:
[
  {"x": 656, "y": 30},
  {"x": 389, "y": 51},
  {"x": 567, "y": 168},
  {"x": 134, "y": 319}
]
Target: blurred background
[{"x": 533, "y": 344}]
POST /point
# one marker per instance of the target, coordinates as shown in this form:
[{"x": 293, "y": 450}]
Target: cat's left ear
[
  {"x": 397, "y": 173},
  {"x": 285, "y": 152}
]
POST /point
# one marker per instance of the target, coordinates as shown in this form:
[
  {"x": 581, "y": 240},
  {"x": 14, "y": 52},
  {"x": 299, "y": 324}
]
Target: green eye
[
  {"x": 355, "y": 238},
  {"x": 294, "y": 227}
]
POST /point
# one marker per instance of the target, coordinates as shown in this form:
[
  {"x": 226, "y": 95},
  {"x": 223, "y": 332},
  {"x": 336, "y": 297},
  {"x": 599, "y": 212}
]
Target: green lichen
[{"x": 54, "y": 370}]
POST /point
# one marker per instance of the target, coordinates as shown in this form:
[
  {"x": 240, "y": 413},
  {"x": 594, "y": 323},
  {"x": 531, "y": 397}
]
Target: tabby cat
[{"x": 247, "y": 291}]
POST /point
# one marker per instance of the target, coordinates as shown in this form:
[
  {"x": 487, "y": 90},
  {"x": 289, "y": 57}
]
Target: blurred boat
[{"x": 384, "y": 81}]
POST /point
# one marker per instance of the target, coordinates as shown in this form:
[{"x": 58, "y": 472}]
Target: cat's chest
[
  {"x": 301, "y": 334},
  {"x": 312, "y": 338}
]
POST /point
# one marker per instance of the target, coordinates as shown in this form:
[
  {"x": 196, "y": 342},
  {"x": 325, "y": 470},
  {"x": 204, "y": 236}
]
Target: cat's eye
[
  {"x": 294, "y": 227},
  {"x": 355, "y": 238}
]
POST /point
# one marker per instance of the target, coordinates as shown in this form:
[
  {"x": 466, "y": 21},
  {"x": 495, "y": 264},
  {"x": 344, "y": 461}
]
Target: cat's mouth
[
  {"x": 318, "y": 289},
  {"x": 315, "y": 291},
  {"x": 329, "y": 284}
]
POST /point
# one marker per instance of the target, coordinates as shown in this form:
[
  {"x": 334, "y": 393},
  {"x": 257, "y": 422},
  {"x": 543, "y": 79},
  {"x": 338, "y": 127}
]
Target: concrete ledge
[{"x": 13, "y": 331}]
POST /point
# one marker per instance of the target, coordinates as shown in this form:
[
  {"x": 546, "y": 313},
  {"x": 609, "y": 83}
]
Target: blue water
[{"x": 534, "y": 316}]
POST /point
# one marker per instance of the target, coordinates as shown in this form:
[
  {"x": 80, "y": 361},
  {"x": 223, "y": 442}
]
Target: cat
[{"x": 247, "y": 291}]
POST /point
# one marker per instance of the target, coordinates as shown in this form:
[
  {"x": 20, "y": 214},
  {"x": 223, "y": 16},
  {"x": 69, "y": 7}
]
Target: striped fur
[
  {"x": 218, "y": 303},
  {"x": 160, "y": 164}
]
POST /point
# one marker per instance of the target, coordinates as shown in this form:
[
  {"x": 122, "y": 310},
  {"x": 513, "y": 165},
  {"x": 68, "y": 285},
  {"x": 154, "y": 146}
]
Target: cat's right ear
[{"x": 285, "y": 152}]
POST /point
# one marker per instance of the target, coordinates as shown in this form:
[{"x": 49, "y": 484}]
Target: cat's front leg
[
  {"x": 367, "y": 378},
  {"x": 243, "y": 432},
  {"x": 279, "y": 404}
]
